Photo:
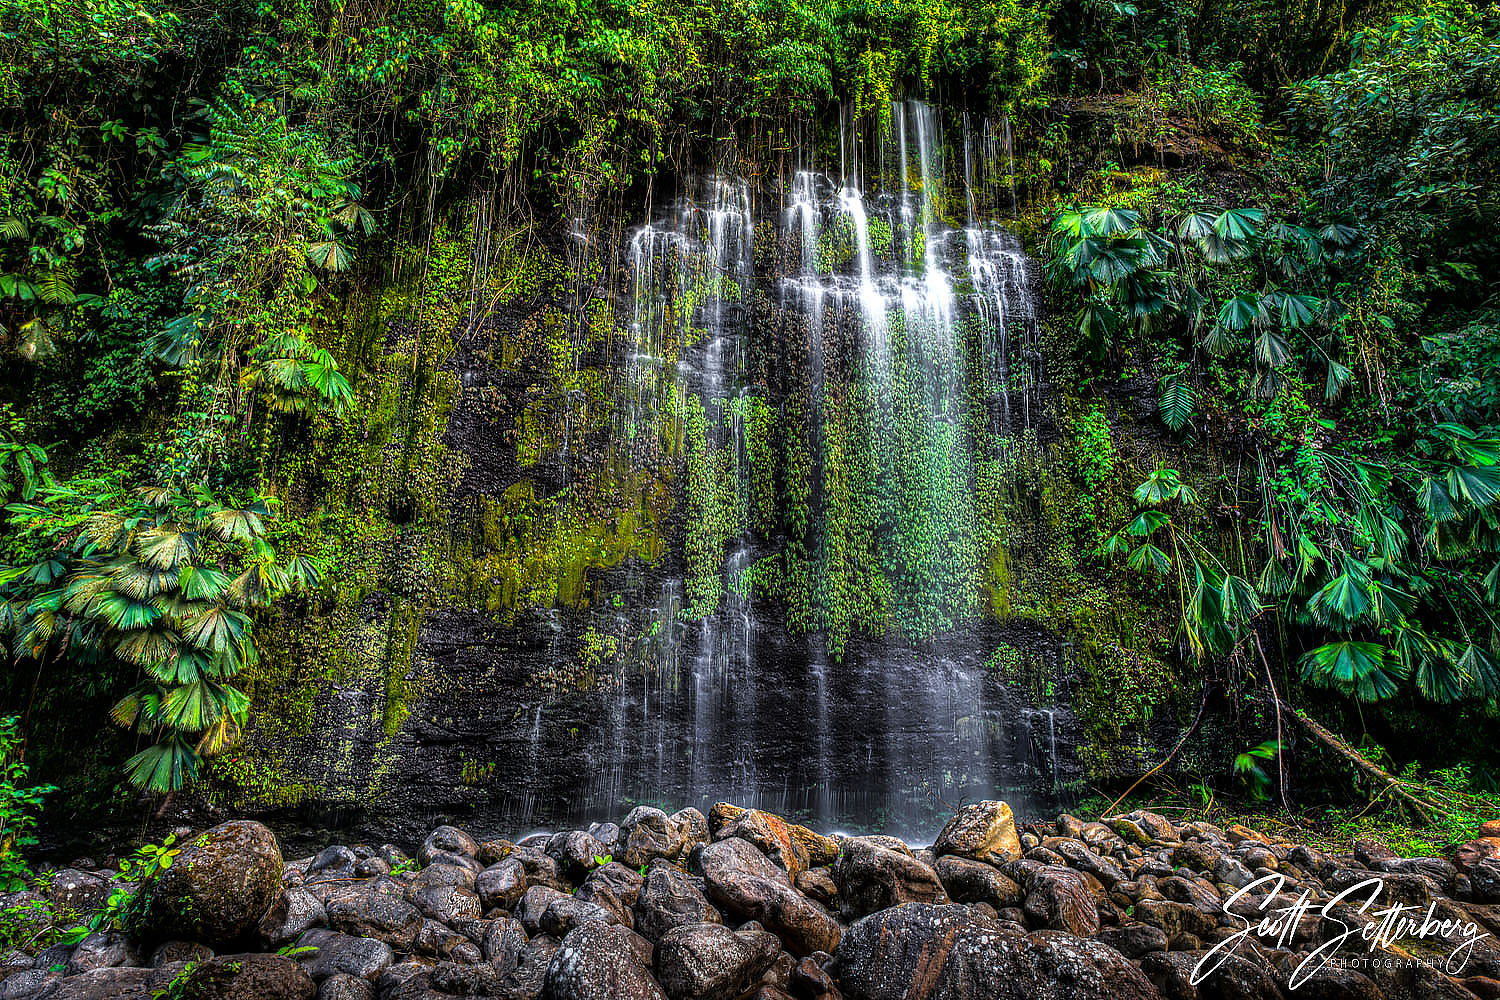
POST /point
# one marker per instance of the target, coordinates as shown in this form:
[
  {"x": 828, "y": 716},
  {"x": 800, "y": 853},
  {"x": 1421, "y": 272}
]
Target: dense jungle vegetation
[{"x": 1276, "y": 224}]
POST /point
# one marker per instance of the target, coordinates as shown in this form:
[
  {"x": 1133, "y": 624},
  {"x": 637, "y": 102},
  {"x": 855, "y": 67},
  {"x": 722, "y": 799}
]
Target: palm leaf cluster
[
  {"x": 38, "y": 280},
  {"x": 1387, "y": 573},
  {"x": 163, "y": 583},
  {"x": 272, "y": 214},
  {"x": 1397, "y": 567},
  {"x": 1230, "y": 281},
  {"x": 1215, "y": 605}
]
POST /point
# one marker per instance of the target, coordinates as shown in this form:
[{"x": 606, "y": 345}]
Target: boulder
[
  {"x": 217, "y": 890},
  {"x": 540, "y": 867},
  {"x": 295, "y": 911},
  {"x": 1158, "y": 827},
  {"x": 1466, "y": 856},
  {"x": 970, "y": 881},
  {"x": 75, "y": 894},
  {"x": 985, "y": 831},
  {"x": 251, "y": 976},
  {"x": 647, "y": 834},
  {"x": 28, "y": 915},
  {"x": 371, "y": 867},
  {"x": 720, "y": 815},
  {"x": 342, "y": 987},
  {"x": 870, "y": 878},
  {"x": 456, "y": 979},
  {"x": 102, "y": 950},
  {"x": 1195, "y": 856},
  {"x": 608, "y": 834},
  {"x": 1174, "y": 918},
  {"x": 567, "y": 912},
  {"x": 600, "y": 962},
  {"x": 809, "y": 980},
  {"x": 440, "y": 875},
  {"x": 501, "y": 886},
  {"x": 614, "y": 887},
  {"x": 711, "y": 962},
  {"x": 446, "y": 842},
  {"x": 1239, "y": 834},
  {"x": 743, "y": 881},
  {"x": 1057, "y": 897},
  {"x": 441, "y": 941},
  {"x": 503, "y": 944},
  {"x": 530, "y": 975},
  {"x": 533, "y": 906},
  {"x": 669, "y": 898},
  {"x": 340, "y": 954},
  {"x": 447, "y": 903},
  {"x": 772, "y": 835},
  {"x": 333, "y": 863},
  {"x": 576, "y": 853},
  {"x": 1484, "y": 877},
  {"x": 31, "y": 983},
  {"x": 1177, "y": 975},
  {"x": 97, "y": 984},
  {"x": 180, "y": 951},
  {"x": 1134, "y": 940},
  {"x": 692, "y": 823},
  {"x": 376, "y": 911},
  {"x": 818, "y": 884},
  {"x": 1078, "y": 855},
  {"x": 917, "y": 951}
]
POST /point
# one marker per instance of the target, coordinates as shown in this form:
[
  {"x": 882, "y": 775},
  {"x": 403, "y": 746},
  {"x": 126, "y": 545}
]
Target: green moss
[
  {"x": 540, "y": 552},
  {"x": 252, "y": 780}
]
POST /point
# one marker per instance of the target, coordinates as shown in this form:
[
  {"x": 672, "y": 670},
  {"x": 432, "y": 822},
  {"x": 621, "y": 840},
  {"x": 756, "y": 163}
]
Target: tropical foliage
[
  {"x": 19, "y": 804},
  {"x": 236, "y": 242},
  {"x": 154, "y": 582}
]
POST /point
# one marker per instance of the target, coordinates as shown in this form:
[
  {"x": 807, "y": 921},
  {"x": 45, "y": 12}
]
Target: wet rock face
[
  {"x": 1129, "y": 909},
  {"x": 544, "y": 760}
]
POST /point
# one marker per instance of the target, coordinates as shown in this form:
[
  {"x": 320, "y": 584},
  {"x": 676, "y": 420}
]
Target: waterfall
[{"x": 893, "y": 314}]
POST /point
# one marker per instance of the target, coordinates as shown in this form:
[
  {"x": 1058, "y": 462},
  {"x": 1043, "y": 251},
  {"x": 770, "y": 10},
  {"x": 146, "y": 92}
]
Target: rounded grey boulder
[{"x": 217, "y": 890}]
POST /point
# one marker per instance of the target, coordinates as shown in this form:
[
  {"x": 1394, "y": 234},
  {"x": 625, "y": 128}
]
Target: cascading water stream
[{"x": 882, "y": 297}]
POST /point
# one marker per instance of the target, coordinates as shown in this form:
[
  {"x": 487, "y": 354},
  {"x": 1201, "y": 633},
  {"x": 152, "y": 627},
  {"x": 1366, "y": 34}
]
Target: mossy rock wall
[{"x": 559, "y": 588}]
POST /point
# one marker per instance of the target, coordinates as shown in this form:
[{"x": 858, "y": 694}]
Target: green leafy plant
[
  {"x": 161, "y": 583},
  {"x": 1248, "y": 768},
  {"x": 19, "y": 805},
  {"x": 1215, "y": 604},
  {"x": 23, "y": 465},
  {"x": 120, "y": 908}
]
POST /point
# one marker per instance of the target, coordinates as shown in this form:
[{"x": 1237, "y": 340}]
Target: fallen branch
[{"x": 1420, "y": 798}]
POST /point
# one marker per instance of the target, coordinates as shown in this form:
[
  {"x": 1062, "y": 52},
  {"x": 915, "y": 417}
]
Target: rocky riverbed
[{"x": 741, "y": 904}]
